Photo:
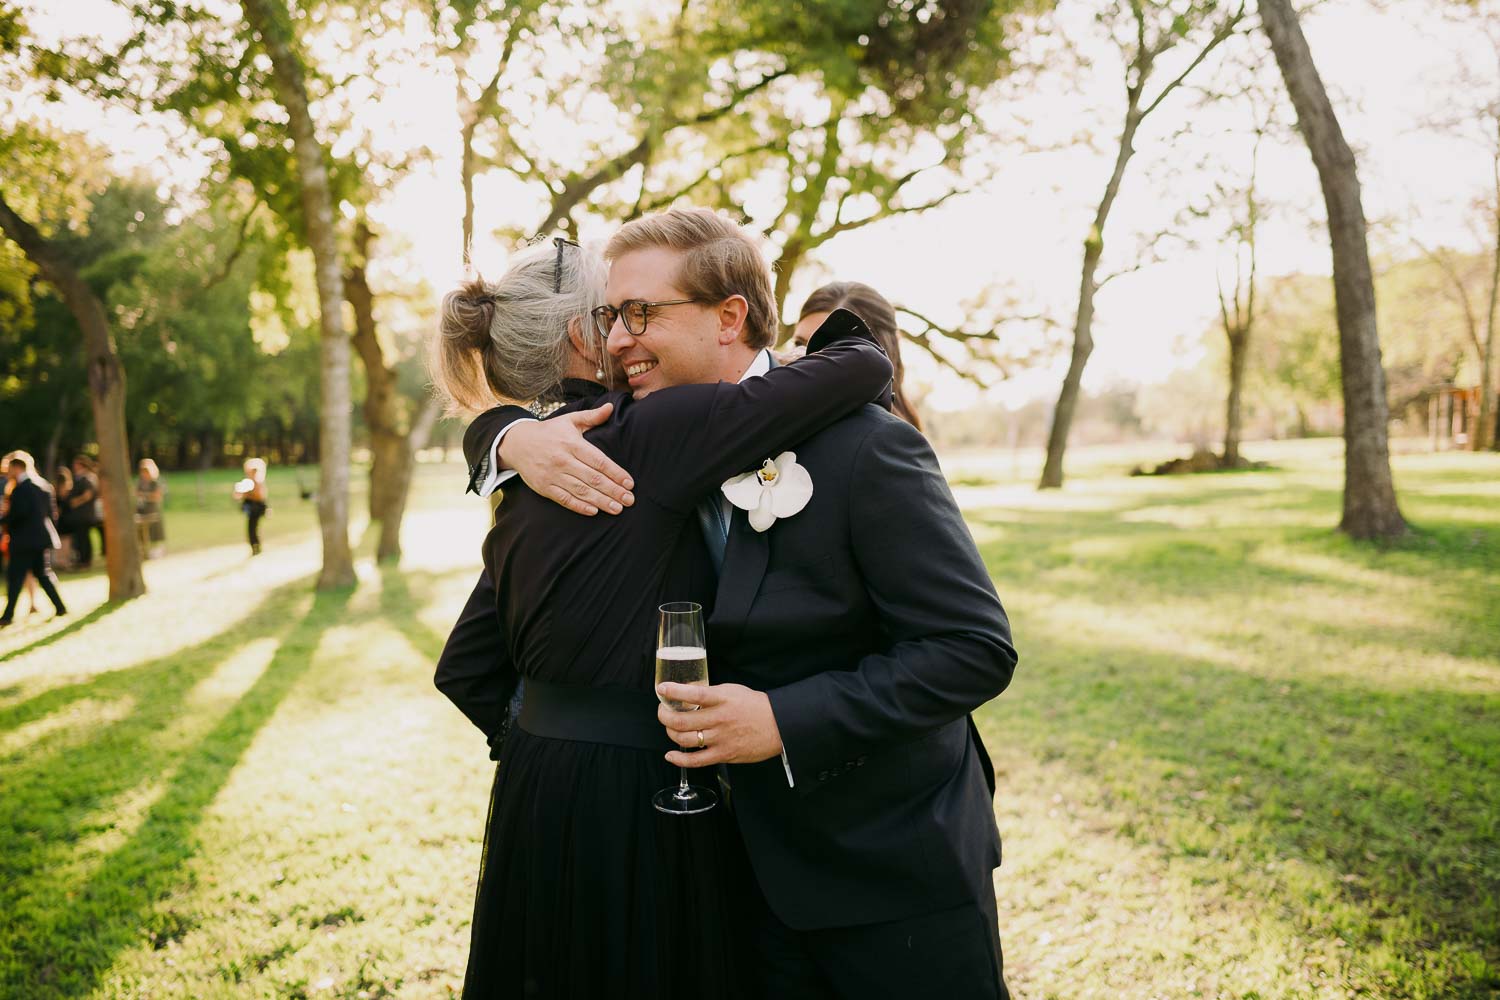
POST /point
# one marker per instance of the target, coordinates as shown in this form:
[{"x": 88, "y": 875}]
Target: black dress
[{"x": 585, "y": 890}]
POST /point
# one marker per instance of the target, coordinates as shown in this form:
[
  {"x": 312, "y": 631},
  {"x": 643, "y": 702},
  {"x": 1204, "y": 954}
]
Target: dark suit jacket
[
  {"x": 870, "y": 621},
  {"x": 31, "y": 516}
]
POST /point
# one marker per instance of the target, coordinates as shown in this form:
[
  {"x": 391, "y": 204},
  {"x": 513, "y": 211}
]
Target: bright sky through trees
[{"x": 1389, "y": 69}]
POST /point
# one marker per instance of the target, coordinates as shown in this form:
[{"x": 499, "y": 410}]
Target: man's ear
[{"x": 733, "y": 312}]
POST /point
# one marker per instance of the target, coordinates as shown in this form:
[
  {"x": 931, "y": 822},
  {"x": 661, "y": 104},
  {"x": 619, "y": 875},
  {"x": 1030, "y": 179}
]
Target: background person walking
[
  {"x": 28, "y": 519},
  {"x": 31, "y": 605},
  {"x": 251, "y": 493}
]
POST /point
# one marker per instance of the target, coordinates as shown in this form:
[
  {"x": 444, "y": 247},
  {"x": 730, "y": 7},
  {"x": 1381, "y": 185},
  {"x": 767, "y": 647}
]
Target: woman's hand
[
  {"x": 790, "y": 353},
  {"x": 557, "y": 463}
]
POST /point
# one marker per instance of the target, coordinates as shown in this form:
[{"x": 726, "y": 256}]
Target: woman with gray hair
[{"x": 585, "y": 890}]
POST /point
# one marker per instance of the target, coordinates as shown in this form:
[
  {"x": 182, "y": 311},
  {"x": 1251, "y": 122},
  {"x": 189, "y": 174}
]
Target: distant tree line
[{"x": 216, "y": 373}]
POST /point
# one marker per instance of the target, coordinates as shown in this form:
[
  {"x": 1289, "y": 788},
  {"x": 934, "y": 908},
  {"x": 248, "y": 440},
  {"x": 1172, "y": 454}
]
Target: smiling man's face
[{"x": 681, "y": 344}]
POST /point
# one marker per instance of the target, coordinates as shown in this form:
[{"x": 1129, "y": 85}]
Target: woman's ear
[
  {"x": 590, "y": 349},
  {"x": 733, "y": 312},
  {"x": 579, "y": 339}
]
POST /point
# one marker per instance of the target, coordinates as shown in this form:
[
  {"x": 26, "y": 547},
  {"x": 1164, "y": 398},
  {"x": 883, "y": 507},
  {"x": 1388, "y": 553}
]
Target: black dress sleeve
[
  {"x": 475, "y": 670},
  {"x": 479, "y": 439},
  {"x": 683, "y": 441}
]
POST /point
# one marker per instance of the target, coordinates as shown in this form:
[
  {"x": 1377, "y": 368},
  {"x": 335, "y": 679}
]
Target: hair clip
[{"x": 560, "y": 241}]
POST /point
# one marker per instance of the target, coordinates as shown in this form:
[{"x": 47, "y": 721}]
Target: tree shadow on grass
[
  {"x": 68, "y": 629},
  {"x": 1162, "y": 560},
  {"x": 68, "y": 929},
  {"x": 1390, "y": 793},
  {"x": 400, "y": 601}
]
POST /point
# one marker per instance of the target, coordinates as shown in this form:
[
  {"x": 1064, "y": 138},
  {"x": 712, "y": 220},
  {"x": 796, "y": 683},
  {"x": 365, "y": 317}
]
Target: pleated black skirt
[{"x": 586, "y": 891}]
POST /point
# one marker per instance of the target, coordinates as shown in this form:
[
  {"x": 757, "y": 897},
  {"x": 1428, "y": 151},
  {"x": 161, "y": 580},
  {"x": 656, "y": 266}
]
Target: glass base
[{"x": 680, "y": 802}]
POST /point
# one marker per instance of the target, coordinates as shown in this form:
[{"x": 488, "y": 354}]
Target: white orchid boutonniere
[{"x": 779, "y": 488}]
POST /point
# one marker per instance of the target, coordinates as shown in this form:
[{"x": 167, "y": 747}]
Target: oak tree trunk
[
  {"x": 270, "y": 20},
  {"x": 122, "y": 556},
  {"x": 392, "y": 450},
  {"x": 402, "y": 469},
  {"x": 1370, "y": 508}
]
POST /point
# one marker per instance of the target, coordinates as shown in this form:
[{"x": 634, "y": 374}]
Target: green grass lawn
[{"x": 1242, "y": 757}]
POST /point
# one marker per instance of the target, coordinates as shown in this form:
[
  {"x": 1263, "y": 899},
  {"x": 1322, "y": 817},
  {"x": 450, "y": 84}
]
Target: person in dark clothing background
[
  {"x": 62, "y": 486},
  {"x": 82, "y": 507},
  {"x": 28, "y": 519}
]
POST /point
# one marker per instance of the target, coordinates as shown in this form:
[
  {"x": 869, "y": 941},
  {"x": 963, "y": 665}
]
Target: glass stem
[{"x": 682, "y": 785}]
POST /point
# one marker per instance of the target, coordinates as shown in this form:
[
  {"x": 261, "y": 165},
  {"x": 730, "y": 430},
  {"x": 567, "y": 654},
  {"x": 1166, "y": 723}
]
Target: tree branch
[
  {"x": 579, "y": 186},
  {"x": 1220, "y": 34},
  {"x": 963, "y": 335},
  {"x": 661, "y": 201},
  {"x": 239, "y": 247},
  {"x": 887, "y": 212}
]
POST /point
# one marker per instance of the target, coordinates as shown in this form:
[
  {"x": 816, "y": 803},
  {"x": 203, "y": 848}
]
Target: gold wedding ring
[{"x": 701, "y": 743}]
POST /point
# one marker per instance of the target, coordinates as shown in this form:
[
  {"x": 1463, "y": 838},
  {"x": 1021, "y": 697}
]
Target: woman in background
[
  {"x": 149, "y": 493},
  {"x": 879, "y": 315},
  {"x": 67, "y": 521},
  {"x": 251, "y": 493}
]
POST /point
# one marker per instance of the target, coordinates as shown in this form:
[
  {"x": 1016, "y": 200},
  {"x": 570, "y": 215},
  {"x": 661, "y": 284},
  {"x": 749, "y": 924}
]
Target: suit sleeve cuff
[{"x": 497, "y": 476}]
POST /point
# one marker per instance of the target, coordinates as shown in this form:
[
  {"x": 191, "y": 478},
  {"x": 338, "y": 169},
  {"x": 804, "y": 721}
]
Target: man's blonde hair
[{"x": 720, "y": 259}]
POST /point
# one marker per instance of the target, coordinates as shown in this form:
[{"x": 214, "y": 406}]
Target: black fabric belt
[{"x": 614, "y": 716}]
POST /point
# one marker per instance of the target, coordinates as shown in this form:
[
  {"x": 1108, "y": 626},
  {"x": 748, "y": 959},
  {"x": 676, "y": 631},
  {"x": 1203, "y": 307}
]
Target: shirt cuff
[{"x": 498, "y": 476}]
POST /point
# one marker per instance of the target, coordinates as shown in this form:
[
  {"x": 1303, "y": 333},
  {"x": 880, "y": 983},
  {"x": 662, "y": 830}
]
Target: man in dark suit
[
  {"x": 29, "y": 521},
  {"x": 849, "y": 642}
]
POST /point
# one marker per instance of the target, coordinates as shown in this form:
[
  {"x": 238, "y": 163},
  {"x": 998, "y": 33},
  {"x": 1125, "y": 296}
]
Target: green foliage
[
  {"x": 1294, "y": 348},
  {"x": 930, "y": 58},
  {"x": 50, "y": 176},
  {"x": 51, "y": 180},
  {"x": 178, "y": 302},
  {"x": 16, "y": 313},
  {"x": 1294, "y": 352}
]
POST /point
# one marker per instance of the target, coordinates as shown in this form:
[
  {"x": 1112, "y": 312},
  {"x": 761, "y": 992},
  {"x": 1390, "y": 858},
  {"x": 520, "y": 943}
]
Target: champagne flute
[{"x": 682, "y": 658}]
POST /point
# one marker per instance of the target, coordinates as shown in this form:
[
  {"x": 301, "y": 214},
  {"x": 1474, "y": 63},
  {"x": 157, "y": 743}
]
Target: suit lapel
[
  {"x": 746, "y": 553},
  {"x": 745, "y": 558}
]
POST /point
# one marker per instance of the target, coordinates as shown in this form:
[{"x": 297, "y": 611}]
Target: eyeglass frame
[{"x": 598, "y": 312}]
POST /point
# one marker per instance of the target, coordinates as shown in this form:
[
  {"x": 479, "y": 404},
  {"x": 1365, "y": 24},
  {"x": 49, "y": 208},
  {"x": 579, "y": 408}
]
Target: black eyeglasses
[{"x": 634, "y": 313}]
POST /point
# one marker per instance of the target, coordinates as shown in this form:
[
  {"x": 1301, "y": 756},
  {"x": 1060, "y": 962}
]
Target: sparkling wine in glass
[{"x": 682, "y": 658}]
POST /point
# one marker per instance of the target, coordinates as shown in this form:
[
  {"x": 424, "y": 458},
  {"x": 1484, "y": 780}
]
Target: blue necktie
[{"x": 715, "y": 531}]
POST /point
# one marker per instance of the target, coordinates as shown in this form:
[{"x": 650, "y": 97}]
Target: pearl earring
[{"x": 599, "y": 373}]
